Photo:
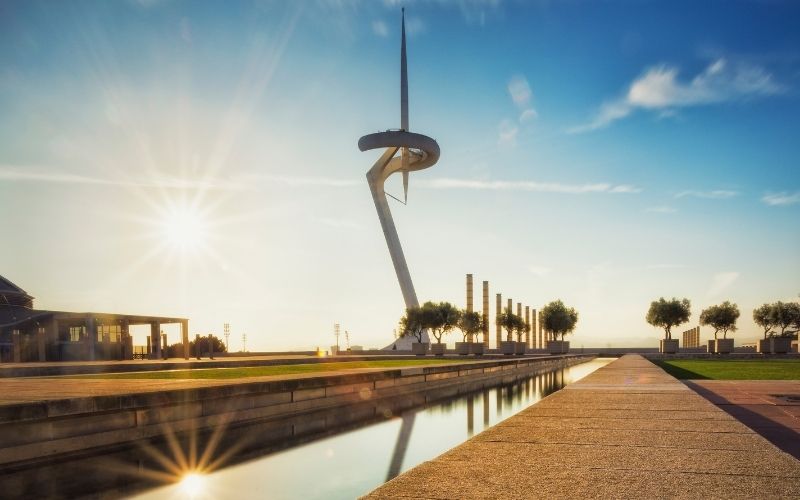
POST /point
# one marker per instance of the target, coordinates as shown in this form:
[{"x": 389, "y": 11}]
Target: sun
[{"x": 184, "y": 228}]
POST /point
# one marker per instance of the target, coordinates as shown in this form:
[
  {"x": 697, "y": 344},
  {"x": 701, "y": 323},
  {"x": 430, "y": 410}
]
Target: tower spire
[{"x": 403, "y": 78}]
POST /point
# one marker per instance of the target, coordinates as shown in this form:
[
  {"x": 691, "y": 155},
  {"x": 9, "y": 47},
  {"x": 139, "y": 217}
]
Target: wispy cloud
[
  {"x": 380, "y": 28},
  {"x": 521, "y": 95},
  {"x": 507, "y": 134},
  {"x": 659, "y": 89},
  {"x": 240, "y": 182},
  {"x": 717, "y": 194},
  {"x": 781, "y": 199},
  {"x": 720, "y": 282},
  {"x": 541, "y": 187},
  {"x": 662, "y": 209}
]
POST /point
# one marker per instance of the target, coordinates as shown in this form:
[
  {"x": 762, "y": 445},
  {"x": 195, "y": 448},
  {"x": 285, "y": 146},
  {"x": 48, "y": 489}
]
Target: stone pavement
[
  {"x": 628, "y": 430},
  {"x": 769, "y": 407}
]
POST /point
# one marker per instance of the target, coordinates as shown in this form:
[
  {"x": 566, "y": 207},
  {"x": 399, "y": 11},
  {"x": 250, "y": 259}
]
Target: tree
[
  {"x": 176, "y": 350},
  {"x": 559, "y": 319},
  {"x": 785, "y": 315},
  {"x": 470, "y": 323},
  {"x": 721, "y": 317},
  {"x": 522, "y": 327},
  {"x": 764, "y": 317},
  {"x": 440, "y": 317},
  {"x": 510, "y": 322},
  {"x": 413, "y": 323},
  {"x": 667, "y": 314}
]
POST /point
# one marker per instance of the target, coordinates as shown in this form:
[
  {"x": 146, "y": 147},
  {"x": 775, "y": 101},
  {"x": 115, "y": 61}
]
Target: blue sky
[{"x": 199, "y": 159}]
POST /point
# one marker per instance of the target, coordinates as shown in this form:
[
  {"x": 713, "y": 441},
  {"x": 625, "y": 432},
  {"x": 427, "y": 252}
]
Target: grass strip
[{"x": 732, "y": 369}]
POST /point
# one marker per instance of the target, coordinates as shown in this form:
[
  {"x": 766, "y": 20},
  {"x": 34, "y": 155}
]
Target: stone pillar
[
  {"x": 469, "y": 293},
  {"x": 185, "y": 337},
  {"x": 510, "y": 306},
  {"x": 497, "y": 313},
  {"x": 528, "y": 321},
  {"x": 149, "y": 348},
  {"x": 486, "y": 315},
  {"x": 41, "y": 335},
  {"x": 15, "y": 341},
  {"x": 155, "y": 338},
  {"x": 519, "y": 310},
  {"x": 534, "y": 323},
  {"x": 91, "y": 338},
  {"x": 541, "y": 338}
]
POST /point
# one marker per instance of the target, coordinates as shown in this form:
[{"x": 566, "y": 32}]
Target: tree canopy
[
  {"x": 786, "y": 315},
  {"x": 763, "y": 317},
  {"x": 440, "y": 317},
  {"x": 722, "y": 318},
  {"x": 510, "y": 321},
  {"x": 413, "y": 323},
  {"x": 559, "y": 319},
  {"x": 470, "y": 323},
  {"x": 667, "y": 314}
]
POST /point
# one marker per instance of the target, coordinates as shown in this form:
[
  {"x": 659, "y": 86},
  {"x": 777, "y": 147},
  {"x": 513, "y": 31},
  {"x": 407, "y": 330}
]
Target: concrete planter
[
  {"x": 764, "y": 346},
  {"x": 508, "y": 347},
  {"x": 463, "y": 348},
  {"x": 438, "y": 349},
  {"x": 781, "y": 345},
  {"x": 476, "y": 348},
  {"x": 557, "y": 346},
  {"x": 668, "y": 346},
  {"x": 419, "y": 349},
  {"x": 723, "y": 346},
  {"x": 520, "y": 349}
]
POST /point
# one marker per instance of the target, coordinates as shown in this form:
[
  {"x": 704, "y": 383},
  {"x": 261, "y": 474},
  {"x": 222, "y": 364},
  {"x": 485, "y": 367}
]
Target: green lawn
[
  {"x": 740, "y": 369},
  {"x": 260, "y": 371}
]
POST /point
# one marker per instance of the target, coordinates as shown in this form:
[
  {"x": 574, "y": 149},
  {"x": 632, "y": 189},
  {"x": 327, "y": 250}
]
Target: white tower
[{"x": 417, "y": 152}]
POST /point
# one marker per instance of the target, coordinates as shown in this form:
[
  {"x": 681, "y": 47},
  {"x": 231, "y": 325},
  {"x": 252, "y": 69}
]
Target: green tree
[
  {"x": 510, "y": 321},
  {"x": 559, "y": 319},
  {"x": 176, "y": 350},
  {"x": 763, "y": 316},
  {"x": 721, "y": 317},
  {"x": 667, "y": 314},
  {"x": 470, "y": 324},
  {"x": 785, "y": 315},
  {"x": 522, "y": 327},
  {"x": 413, "y": 323},
  {"x": 440, "y": 317}
]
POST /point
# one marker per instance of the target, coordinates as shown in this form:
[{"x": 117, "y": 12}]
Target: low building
[{"x": 28, "y": 334}]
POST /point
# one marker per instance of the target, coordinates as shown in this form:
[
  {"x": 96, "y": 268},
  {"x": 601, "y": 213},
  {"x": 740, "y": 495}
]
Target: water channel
[{"x": 355, "y": 462}]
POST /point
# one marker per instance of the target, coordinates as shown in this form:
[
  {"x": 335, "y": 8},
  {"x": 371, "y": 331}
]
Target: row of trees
[
  {"x": 668, "y": 314},
  {"x": 443, "y": 317},
  {"x": 440, "y": 318}
]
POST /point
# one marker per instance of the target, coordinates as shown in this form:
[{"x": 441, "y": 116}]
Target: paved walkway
[
  {"x": 769, "y": 407},
  {"x": 628, "y": 430}
]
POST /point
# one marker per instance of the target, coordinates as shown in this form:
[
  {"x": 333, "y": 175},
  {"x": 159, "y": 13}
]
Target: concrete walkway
[
  {"x": 769, "y": 407},
  {"x": 628, "y": 430}
]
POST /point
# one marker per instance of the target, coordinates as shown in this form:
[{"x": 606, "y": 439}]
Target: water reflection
[
  {"x": 336, "y": 453},
  {"x": 353, "y": 463}
]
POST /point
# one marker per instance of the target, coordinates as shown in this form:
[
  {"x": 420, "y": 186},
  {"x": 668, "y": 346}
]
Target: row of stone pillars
[{"x": 535, "y": 339}]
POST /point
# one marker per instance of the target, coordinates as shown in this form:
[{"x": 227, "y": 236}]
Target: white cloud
[
  {"x": 380, "y": 28},
  {"x": 240, "y": 182},
  {"x": 781, "y": 199},
  {"x": 663, "y": 209},
  {"x": 659, "y": 89},
  {"x": 720, "y": 282},
  {"x": 717, "y": 194},
  {"x": 507, "y": 134},
  {"x": 541, "y": 187},
  {"x": 521, "y": 95},
  {"x": 527, "y": 114}
]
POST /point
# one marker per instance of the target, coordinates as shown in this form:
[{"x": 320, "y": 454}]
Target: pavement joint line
[{"x": 610, "y": 445}]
